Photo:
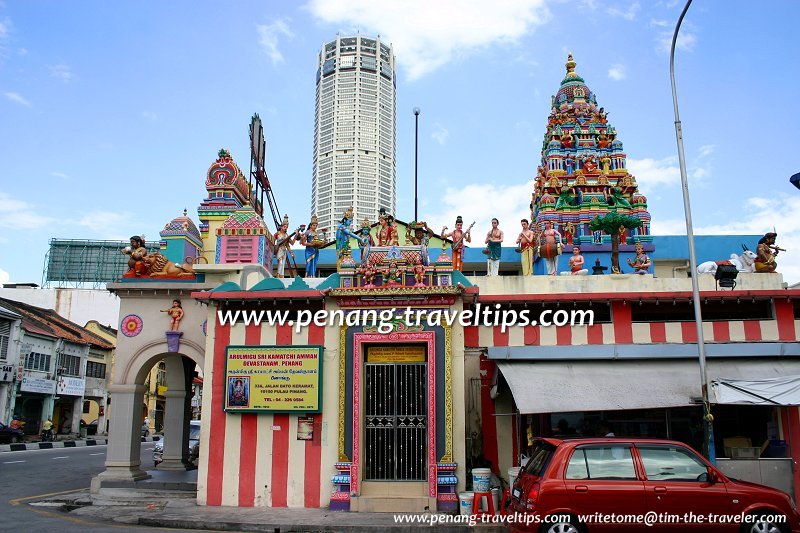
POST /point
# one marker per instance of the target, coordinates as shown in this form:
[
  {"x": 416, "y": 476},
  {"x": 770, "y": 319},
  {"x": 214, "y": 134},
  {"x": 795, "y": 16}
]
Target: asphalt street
[{"x": 30, "y": 475}]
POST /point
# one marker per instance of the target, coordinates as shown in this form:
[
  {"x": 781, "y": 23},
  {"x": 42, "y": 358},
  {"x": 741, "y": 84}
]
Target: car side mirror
[{"x": 711, "y": 475}]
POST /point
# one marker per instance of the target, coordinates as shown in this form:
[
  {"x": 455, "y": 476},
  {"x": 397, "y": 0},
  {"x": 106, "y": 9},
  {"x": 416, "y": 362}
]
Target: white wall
[{"x": 78, "y": 305}]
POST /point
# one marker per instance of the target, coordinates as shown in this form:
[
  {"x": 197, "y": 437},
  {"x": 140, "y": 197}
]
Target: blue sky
[{"x": 111, "y": 112}]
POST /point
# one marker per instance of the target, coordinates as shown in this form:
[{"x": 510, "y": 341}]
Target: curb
[{"x": 62, "y": 444}]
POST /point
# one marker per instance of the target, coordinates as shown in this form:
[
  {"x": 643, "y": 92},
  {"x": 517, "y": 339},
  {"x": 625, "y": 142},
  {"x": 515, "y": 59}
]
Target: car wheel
[
  {"x": 570, "y": 526},
  {"x": 764, "y": 524}
]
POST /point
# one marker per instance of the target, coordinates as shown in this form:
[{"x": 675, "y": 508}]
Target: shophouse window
[
  {"x": 70, "y": 365},
  {"x": 37, "y": 361},
  {"x": 5, "y": 334},
  {"x": 95, "y": 370}
]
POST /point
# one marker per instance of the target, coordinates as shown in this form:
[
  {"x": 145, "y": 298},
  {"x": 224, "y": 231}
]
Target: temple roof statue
[{"x": 583, "y": 171}]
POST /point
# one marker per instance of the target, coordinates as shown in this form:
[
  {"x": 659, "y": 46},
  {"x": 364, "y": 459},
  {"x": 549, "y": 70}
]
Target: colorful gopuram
[{"x": 583, "y": 172}]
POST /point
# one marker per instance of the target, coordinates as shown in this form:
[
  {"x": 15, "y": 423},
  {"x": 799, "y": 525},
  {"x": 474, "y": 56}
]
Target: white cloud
[
  {"x": 480, "y": 203},
  {"x": 59, "y": 175},
  {"x": 17, "y": 98},
  {"x": 62, "y": 72},
  {"x": 755, "y": 217},
  {"x": 628, "y": 14},
  {"x": 659, "y": 23},
  {"x": 5, "y": 28},
  {"x": 18, "y": 214},
  {"x": 617, "y": 72},
  {"x": 426, "y": 35},
  {"x": 103, "y": 222},
  {"x": 651, "y": 173},
  {"x": 440, "y": 134},
  {"x": 687, "y": 39},
  {"x": 4, "y": 277},
  {"x": 706, "y": 150},
  {"x": 149, "y": 116},
  {"x": 269, "y": 36}
]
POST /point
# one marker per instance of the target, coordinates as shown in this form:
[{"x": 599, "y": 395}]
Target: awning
[
  {"x": 564, "y": 386},
  {"x": 774, "y": 391}
]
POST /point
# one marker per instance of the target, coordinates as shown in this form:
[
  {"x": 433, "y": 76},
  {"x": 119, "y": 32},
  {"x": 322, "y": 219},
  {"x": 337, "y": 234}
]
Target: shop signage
[
  {"x": 71, "y": 386},
  {"x": 40, "y": 385},
  {"x": 7, "y": 373},
  {"x": 282, "y": 379},
  {"x": 414, "y": 353}
]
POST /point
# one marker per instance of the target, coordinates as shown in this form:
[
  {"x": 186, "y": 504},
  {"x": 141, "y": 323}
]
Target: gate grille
[{"x": 395, "y": 422}]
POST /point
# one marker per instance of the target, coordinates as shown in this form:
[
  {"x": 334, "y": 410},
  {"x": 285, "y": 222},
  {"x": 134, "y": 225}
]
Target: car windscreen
[
  {"x": 538, "y": 461},
  {"x": 194, "y": 432}
]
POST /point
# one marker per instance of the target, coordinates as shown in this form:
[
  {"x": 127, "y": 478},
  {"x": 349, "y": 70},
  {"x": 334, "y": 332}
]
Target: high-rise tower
[{"x": 354, "y": 131}]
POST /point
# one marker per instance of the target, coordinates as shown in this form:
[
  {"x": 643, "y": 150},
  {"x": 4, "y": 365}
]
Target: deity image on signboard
[{"x": 239, "y": 391}]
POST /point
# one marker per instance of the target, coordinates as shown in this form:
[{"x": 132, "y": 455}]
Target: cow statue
[{"x": 743, "y": 263}]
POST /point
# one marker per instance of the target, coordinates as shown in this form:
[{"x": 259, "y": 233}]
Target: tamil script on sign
[{"x": 273, "y": 379}]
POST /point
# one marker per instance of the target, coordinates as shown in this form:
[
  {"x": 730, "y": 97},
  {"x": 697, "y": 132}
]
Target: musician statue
[
  {"x": 312, "y": 242},
  {"x": 550, "y": 247},
  {"x": 458, "y": 235},
  {"x": 283, "y": 243},
  {"x": 526, "y": 242},
  {"x": 766, "y": 252},
  {"x": 641, "y": 263}
]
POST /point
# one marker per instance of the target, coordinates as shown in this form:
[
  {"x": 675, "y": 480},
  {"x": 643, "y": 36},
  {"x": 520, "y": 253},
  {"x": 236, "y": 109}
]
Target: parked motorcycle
[{"x": 48, "y": 435}]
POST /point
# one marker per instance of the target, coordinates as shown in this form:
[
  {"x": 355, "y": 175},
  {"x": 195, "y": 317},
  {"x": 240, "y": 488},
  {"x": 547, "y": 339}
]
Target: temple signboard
[{"x": 274, "y": 379}]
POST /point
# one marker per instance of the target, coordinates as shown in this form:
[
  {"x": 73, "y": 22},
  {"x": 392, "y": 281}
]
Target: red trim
[
  {"x": 623, "y": 323},
  {"x": 689, "y": 331},
  {"x": 311, "y": 479},
  {"x": 500, "y": 337},
  {"x": 249, "y": 442},
  {"x": 471, "y": 337},
  {"x": 752, "y": 330},
  {"x": 488, "y": 422},
  {"x": 658, "y": 332},
  {"x": 784, "y": 314},
  {"x": 564, "y": 335},
  {"x": 594, "y": 334},
  {"x": 722, "y": 331},
  {"x": 644, "y": 296},
  {"x": 216, "y": 454},
  {"x": 258, "y": 295},
  {"x": 280, "y": 437},
  {"x": 532, "y": 336}
]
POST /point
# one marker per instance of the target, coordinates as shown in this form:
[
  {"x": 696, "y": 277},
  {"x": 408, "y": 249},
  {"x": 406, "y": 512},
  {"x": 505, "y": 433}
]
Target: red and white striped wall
[{"x": 250, "y": 459}]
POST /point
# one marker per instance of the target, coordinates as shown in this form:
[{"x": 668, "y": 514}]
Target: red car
[{"x": 618, "y": 484}]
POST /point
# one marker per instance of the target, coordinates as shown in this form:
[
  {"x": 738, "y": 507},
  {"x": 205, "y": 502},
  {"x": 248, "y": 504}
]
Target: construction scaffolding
[{"x": 85, "y": 263}]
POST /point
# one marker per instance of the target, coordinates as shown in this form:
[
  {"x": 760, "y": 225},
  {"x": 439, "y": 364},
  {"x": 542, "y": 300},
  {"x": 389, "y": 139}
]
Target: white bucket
[
  {"x": 480, "y": 479},
  {"x": 496, "y": 499},
  {"x": 465, "y": 502},
  {"x": 513, "y": 473}
]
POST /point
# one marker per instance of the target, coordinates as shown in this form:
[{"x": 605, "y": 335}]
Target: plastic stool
[
  {"x": 505, "y": 502},
  {"x": 476, "y": 504}
]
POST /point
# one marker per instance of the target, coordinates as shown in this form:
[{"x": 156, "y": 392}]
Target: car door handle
[
  {"x": 581, "y": 488},
  {"x": 660, "y": 490}
]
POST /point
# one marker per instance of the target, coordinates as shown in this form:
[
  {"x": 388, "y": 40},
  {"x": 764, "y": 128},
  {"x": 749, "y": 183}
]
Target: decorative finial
[
  {"x": 570, "y": 67},
  {"x": 223, "y": 153},
  {"x": 185, "y": 211},
  {"x": 286, "y": 220}
]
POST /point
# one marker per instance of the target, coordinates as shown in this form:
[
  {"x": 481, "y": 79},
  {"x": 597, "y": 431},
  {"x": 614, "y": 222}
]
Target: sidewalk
[
  {"x": 67, "y": 442},
  {"x": 186, "y": 514}
]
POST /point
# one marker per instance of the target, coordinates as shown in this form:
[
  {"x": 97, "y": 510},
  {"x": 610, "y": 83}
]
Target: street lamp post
[
  {"x": 416, "y": 151},
  {"x": 708, "y": 427}
]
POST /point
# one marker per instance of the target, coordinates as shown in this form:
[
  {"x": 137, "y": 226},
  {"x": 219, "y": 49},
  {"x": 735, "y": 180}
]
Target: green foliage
[{"x": 612, "y": 221}]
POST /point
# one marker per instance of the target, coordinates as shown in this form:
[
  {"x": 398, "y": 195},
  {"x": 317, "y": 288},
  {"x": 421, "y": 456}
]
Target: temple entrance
[{"x": 396, "y": 415}]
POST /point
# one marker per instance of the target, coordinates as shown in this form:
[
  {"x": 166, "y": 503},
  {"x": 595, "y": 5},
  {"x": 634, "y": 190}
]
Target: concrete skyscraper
[{"x": 354, "y": 131}]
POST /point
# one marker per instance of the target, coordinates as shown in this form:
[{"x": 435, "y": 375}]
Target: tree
[{"x": 611, "y": 223}]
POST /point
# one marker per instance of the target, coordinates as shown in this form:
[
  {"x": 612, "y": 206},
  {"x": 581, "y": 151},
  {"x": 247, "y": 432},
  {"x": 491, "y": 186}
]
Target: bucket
[
  {"x": 465, "y": 502},
  {"x": 513, "y": 473},
  {"x": 496, "y": 499},
  {"x": 480, "y": 479}
]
